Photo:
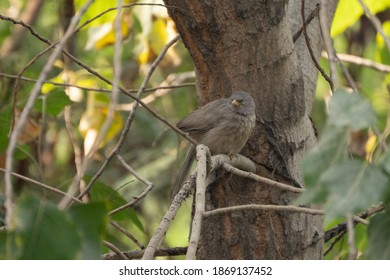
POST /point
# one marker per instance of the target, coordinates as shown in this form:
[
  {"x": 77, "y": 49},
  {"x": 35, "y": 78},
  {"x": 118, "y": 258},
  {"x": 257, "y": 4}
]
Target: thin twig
[
  {"x": 112, "y": 106},
  {"x": 342, "y": 227},
  {"x": 308, "y": 44},
  {"x": 128, "y": 93},
  {"x": 328, "y": 43},
  {"x": 288, "y": 208},
  {"x": 361, "y": 61},
  {"x": 149, "y": 187},
  {"x": 26, "y": 111},
  {"x": 131, "y": 115},
  {"x": 146, "y": 100},
  {"x": 260, "y": 179},
  {"x": 351, "y": 238},
  {"x": 42, "y": 185},
  {"x": 360, "y": 220},
  {"x": 200, "y": 201},
  {"x": 376, "y": 22},
  {"x": 111, "y": 109},
  {"x": 177, "y": 251},
  {"x": 163, "y": 89},
  {"x": 334, "y": 242},
  {"x": 347, "y": 75},
  {"x": 127, "y": 234},
  {"x": 113, "y": 248},
  {"x": 312, "y": 15},
  {"x": 125, "y": 7}
]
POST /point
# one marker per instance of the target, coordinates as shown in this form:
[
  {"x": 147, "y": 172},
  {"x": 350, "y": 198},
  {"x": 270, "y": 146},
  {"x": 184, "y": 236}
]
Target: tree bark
[{"x": 248, "y": 45}]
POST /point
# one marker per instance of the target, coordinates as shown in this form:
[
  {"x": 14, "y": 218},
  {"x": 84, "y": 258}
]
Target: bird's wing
[{"x": 204, "y": 118}]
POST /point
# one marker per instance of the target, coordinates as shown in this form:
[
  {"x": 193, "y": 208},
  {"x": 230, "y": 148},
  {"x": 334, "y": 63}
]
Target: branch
[
  {"x": 15, "y": 40},
  {"x": 288, "y": 208},
  {"x": 42, "y": 185},
  {"x": 149, "y": 187},
  {"x": 138, "y": 254},
  {"x": 146, "y": 100},
  {"x": 351, "y": 238},
  {"x": 334, "y": 242},
  {"x": 90, "y": 150},
  {"x": 328, "y": 43},
  {"x": 96, "y": 74},
  {"x": 131, "y": 116},
  {"x": 127, "y": 234},
  {"x": 376, "y": 22},
  {"x": 113, "y": 248},
  {"x": 168, "y": 217},
  {"x": 362, "y": 61},
  {"x": 26, "y": 111},
  {"x": 307, "y": 40},
  {"x": 200, "y": 201},
  {"x": 260, "y": 179},
  {"x": 342, "y": 227},
  {"x": 306, "y": 22}
]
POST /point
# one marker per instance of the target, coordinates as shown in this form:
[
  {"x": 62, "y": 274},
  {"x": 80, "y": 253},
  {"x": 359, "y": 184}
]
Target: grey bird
[{"x": 223, "y": 125}]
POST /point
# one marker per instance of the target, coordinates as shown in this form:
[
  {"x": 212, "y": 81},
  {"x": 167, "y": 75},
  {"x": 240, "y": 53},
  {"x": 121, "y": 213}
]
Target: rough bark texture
[{"x": 247, "y": 45}]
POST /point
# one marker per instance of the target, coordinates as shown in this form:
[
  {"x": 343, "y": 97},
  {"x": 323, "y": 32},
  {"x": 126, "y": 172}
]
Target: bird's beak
[{"x": 236, "y": 102}]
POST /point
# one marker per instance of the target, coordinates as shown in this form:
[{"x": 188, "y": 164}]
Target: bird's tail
[{"x": 184, "y": 171}]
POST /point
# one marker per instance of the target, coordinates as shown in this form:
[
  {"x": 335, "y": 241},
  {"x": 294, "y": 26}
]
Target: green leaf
[
  {"x": 43, "y": 231},
  {"x": 353, "y": 186},
  {"x": 330, "y": 149},
  {"x": 350, "y": 110},
  {"x": 54, "y": 103},
  {"x": 349, "y": 11},
  {"x": 378, "y": 247},
  {"x": 90, "y": 220},
  {"x": 102, "y": 192}
]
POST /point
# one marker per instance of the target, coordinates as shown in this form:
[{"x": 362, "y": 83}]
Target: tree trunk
[{"x": 248, "y": 45}]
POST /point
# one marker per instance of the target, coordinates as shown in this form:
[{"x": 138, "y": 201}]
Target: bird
[{"x": 223, "y": 125}]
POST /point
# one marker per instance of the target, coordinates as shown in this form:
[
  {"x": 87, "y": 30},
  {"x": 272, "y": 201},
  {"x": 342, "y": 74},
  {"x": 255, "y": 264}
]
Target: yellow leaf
[
  {"x": 109, "y": 38},
  {"x": 158, "y": 36}
]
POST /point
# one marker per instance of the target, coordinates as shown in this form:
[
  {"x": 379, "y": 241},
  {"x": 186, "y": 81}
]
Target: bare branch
[
  {"x": 328, "y": 43},
  {"x": 312, "y": 15},
  {"x": 260, "y": 179},
  {"x": 127, "y": 234},
  {"x": 42, "y": 185},
  {"x": 307, "y": 40},
  {"x": 160, "y": 232},
  {"x": 111, "y": 109},
  {"x": 113, "y": 248},
  {"x": 149, "y": 187},
  {"x": 131, "y": 115},
  {"x": 376, "y": 22},
  {"x": 342, "y": 227},
  {"x": 96, "y": 74},
  {"x": 146, "y": 100},
  {"x": 138, "y": 254},
  {"x": 351, "y": 238},
  {"x": 361, "y": 61},
  {"x": 200, "y": 201},
  {"x": 288, "y": 208}
]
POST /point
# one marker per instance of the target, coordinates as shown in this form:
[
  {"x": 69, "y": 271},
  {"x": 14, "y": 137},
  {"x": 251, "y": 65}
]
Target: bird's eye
[{"x": 242, "y": 102}]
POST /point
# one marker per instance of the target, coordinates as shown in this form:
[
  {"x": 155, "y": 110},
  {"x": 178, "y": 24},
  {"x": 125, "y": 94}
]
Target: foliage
[
  {"x": 347, "y": 171},
  {"x": 347, "y": 176},
  {"x": 47, "y": 153}
]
